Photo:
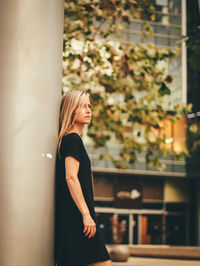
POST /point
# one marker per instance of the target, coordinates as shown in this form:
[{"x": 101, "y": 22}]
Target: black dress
[{"x": 72, "y": 247}]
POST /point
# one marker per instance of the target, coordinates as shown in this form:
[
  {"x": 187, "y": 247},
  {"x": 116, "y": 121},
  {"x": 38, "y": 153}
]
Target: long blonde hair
[{"x": 70, "y": 105}]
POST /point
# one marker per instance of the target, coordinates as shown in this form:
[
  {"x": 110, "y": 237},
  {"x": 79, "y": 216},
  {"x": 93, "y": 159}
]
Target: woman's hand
[{"x": 89, "y": 225}]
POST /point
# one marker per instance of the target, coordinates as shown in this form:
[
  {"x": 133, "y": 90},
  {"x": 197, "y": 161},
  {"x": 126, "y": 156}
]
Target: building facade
[
  {"x": 142, "y": 205},
  {"x": 193, "y": 95}
]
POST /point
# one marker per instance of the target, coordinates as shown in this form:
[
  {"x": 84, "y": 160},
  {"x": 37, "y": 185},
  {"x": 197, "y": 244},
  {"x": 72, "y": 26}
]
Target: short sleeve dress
[{"x": 72, "y": 247}]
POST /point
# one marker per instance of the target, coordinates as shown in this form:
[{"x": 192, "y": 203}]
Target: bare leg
[{"x": 102, "y": 263}]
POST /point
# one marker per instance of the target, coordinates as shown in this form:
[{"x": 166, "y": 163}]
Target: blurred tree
[{"x": 128, "y": 83}]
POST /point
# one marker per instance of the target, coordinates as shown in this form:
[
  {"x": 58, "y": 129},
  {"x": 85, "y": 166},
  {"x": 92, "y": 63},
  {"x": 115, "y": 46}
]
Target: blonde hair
[{"x": 70, "y": 105}]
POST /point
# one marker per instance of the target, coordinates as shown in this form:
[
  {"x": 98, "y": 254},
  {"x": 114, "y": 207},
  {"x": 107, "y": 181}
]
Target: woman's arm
[{"x": 71, "y": 171}]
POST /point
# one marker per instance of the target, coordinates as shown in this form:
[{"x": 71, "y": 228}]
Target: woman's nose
[{"x": 88, "y": 110}]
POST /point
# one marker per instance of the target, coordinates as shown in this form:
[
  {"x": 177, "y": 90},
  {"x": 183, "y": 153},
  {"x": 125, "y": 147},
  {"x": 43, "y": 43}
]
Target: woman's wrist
[{"x": 85, "y": 213}]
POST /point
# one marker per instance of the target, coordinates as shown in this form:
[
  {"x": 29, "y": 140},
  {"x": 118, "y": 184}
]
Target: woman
[{"x": 77, "y": 238}]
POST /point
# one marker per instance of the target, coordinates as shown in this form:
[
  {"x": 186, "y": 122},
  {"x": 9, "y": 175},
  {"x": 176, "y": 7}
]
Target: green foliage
[{"x": 128, "y": 83}]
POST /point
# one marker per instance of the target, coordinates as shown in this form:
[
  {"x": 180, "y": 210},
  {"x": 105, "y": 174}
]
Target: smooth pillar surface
[{"x": 30, "y": 90}]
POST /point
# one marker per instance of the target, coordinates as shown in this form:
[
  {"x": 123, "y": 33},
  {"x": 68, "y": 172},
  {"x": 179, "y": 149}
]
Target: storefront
[{"x": 142, "y": 209}]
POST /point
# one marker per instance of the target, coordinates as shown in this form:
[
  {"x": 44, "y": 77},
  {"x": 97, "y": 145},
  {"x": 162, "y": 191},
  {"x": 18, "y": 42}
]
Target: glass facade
[
  {"x": 161, "y": 218},
  {"x": 175, "y": 139},
  {"x": 161, "y": 215},
  {"x": 168, "y": 29}
]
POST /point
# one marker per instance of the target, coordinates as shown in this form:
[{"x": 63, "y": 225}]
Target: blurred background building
[
  {"x": 193, "y": 94},
  {"x": 142, "y": 205}
]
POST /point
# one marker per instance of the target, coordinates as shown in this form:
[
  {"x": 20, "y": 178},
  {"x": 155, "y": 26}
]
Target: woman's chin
[{"x": 87, "y": 121}]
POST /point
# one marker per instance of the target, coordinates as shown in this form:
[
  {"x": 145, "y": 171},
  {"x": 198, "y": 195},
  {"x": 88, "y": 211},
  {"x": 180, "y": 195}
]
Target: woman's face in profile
[{"x": 84, "y": 114}]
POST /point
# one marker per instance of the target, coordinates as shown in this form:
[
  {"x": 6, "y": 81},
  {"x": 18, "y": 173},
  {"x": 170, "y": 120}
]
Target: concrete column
[
  {"x": 198, "y": 210},
  {"x": 30, "y": 89}
]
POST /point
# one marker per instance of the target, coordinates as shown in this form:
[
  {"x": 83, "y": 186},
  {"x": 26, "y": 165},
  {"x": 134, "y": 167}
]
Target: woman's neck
[{"x": 76, "y": 128}]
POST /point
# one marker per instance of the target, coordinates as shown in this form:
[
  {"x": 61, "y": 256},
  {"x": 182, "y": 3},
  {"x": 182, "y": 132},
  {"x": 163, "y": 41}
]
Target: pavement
[
  {"x": 137, "y": 261},
  {"x": 159, "y": 251}
]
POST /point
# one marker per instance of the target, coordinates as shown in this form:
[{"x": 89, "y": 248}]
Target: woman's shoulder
[
  {"x": 72, "y": 137},
  {"x": 71, "y": 145}
]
